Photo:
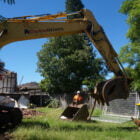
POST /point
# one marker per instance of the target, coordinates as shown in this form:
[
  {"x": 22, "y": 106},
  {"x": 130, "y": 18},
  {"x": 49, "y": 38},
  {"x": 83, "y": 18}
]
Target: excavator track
[{"x": 10, "y": 117}]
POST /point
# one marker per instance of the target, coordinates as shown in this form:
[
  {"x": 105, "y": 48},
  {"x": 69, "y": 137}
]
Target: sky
[{"x": 20, "y": 57}]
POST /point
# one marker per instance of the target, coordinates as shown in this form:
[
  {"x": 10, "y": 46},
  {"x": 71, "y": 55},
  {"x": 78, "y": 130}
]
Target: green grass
[
  {"x": 97, "y": 112},
  {"x": 50, "y": 127}
]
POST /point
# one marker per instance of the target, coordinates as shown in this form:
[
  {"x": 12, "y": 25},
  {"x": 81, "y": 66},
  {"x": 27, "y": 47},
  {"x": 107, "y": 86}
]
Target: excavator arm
[
  {"x": 17, "y": 29},
  {"x": 33, "y": 27}
]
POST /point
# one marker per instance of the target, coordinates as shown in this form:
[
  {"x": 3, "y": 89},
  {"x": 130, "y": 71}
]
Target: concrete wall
[
  {"x": 66, "y": 99},
  {"x": 124, "y": 107},
  {"x": 117, "y": 107}
]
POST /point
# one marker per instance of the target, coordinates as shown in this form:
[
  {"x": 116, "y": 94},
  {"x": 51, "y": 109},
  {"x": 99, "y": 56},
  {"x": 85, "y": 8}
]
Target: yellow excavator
[{"x": 42, "y": 26}]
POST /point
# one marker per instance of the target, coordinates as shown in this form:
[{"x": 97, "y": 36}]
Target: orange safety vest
[{"x": 77, "y": 98}]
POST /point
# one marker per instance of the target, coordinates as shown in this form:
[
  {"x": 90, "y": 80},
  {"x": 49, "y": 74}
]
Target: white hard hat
[{"x": 78, "y": 91}]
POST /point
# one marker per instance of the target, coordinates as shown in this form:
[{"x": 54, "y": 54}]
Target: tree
[
  {"x": 130, "y": 53},
  {"x": 67, "y": 62},
  {"x": 2, "y": 64},
  {"x": 9, "y": 1},
  {"x": 73, "y": 5}
]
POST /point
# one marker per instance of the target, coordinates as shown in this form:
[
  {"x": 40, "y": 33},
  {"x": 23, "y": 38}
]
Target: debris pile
[{"x": 28, "y": 113}]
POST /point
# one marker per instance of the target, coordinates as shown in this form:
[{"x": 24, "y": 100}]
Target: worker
[{"x": 77, "y": 99}]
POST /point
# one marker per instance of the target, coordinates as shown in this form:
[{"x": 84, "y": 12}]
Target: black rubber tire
[{"x": 16, "y": 116}]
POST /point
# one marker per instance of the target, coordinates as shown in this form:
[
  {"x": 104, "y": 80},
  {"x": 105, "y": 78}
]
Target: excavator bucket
[
  {"x": 79, "y": 113},
  {"x": 117, "y": 88}
]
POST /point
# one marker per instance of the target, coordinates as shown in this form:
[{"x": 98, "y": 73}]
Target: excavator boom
[{"x": 33, "y": 27}]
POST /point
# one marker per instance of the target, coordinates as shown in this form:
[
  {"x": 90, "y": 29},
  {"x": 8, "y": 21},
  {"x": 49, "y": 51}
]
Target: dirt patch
[
  {"x": 5, "y": 136},
  {"x": 28, "y": 113}
]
